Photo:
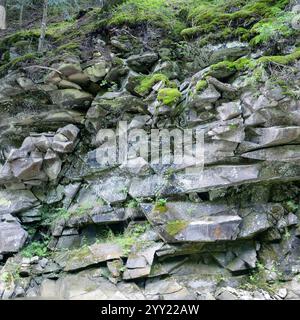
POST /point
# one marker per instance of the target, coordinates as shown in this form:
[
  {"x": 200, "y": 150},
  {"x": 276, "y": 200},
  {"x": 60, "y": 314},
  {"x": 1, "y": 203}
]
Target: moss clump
[
  {"x": 17, "y": 61},
  {"x": 283, "y": 60},
  {"x": 32, "y": 35},
  {"x": 156, "y": 12},
  {"x": 55, "y": 31},
  {"x": 169, "y": 96},
  {"x": 147, "y": 82},
  {"x": 222, "y": 69},
  {"x": 244, "y": 63},
  {"x": 201, "y": 85},
  {"x": 223, "y": 19},
  {"x": 227, "y": 68},
  {"x": 69, "y": 47},
  {"x": 176, "y": 226},
  {"x": 190, "y": 32},
  {"x": 161, "y": 205}
]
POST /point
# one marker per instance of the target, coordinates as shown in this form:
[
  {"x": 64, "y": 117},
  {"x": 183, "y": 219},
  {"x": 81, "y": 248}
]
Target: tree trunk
[
  {"x": 43, "y": 27},
  {"x": 21, "y": 15},
  {"x": 2, "y": 18}
]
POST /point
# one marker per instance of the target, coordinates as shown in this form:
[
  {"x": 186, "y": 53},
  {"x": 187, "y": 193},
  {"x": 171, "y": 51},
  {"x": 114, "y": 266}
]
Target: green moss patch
[
  {"x": 159, "y": 13},
  {"x": 147, "y": 82},
  {"x": 18, "y": 61},
  {"x": 228, "y": 68},
  {"x": 221, "y": 20},
  {"x": 201, "y": 85},
  {"x": 169, "y": 96},
  {"x": 176, "y": 226},
  {"x": 283, "y": 60}
]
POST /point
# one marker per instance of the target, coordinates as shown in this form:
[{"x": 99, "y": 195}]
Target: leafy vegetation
[
  {"x": 11, "y": 276},
  {"x": 35, "y": 249},
  {"x": 132, "y": 204},
  {"x": 273, "y": 28},
  {"x": 258, "y": 279},
  {"x": 50, "y": 216},
  {"x": 125, "y": 240},
  {"x": 292, "y": 206},
  {"x": 161, "y": 205}
]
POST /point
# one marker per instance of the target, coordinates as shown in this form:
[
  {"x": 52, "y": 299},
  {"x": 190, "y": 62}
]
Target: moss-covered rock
[
  {"x": 156, "y": 12},
  {"x": 223, "y": 20},
  {"x": 229, "y": 54},
  {"x": 283, "y": 60},
  {"x": 71, "y": 98},
  {"x": 176, "y": 226},
  {"x": 169, "y": 96},
  {"x": 146, "y": 83},
  {"x": 201, "y": 85}
]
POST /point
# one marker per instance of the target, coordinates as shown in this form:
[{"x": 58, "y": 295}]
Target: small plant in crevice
[
  {"x": 286, "y": 234},
  {"x": 36, "y": 248},
  {"x": 124, "y": 190},
  {"x": 11, "y": 276},
  {"x": 126, "y": 239},
  {"x": 132, "y": 204},
  {"x": 258, "y": 279},
  {"x": 50, "y": 216},
  {"x": 169, "y": 173},
  {"x": 161, "y": 205},
  {"x": 291, "y": 206}
]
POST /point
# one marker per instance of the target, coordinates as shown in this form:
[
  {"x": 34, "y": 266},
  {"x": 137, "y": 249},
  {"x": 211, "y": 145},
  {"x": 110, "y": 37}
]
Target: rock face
[
  {"x": 39, "y": 158},
  {"x": 143, "y": 62},
  {"x": 12, "y": 235},
  {"x": 82, "y": 221},
  {"x": 8, "y": 205},
  {"x": 93, "y": 255}
]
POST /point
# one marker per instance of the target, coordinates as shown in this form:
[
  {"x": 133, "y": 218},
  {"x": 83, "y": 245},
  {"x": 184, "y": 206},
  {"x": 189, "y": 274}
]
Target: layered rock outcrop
[{"x": 187, "y": 235}]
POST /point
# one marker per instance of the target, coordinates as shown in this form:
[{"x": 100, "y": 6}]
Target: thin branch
[{"x": 42, "y": 67}]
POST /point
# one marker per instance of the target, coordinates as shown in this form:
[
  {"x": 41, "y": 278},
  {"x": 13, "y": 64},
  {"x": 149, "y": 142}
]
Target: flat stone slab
[
  {"x": 283, "y": 153},
  {"x": 214, "y": 178},
  {"x": 167, "y": 289},
  {"x": 88, "y": 285},
  {"x": 12, "y": 235},
  {"x": 12, "y": 202},
  {"x": 140, "y": 261},
  {"x": 102, "y": 215},
  {"x": 210, "y": 222},
  {"x": 185, "y": 222},
  {"x": 88, "y": 256},
  {"x": 112, "y": 189}
]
